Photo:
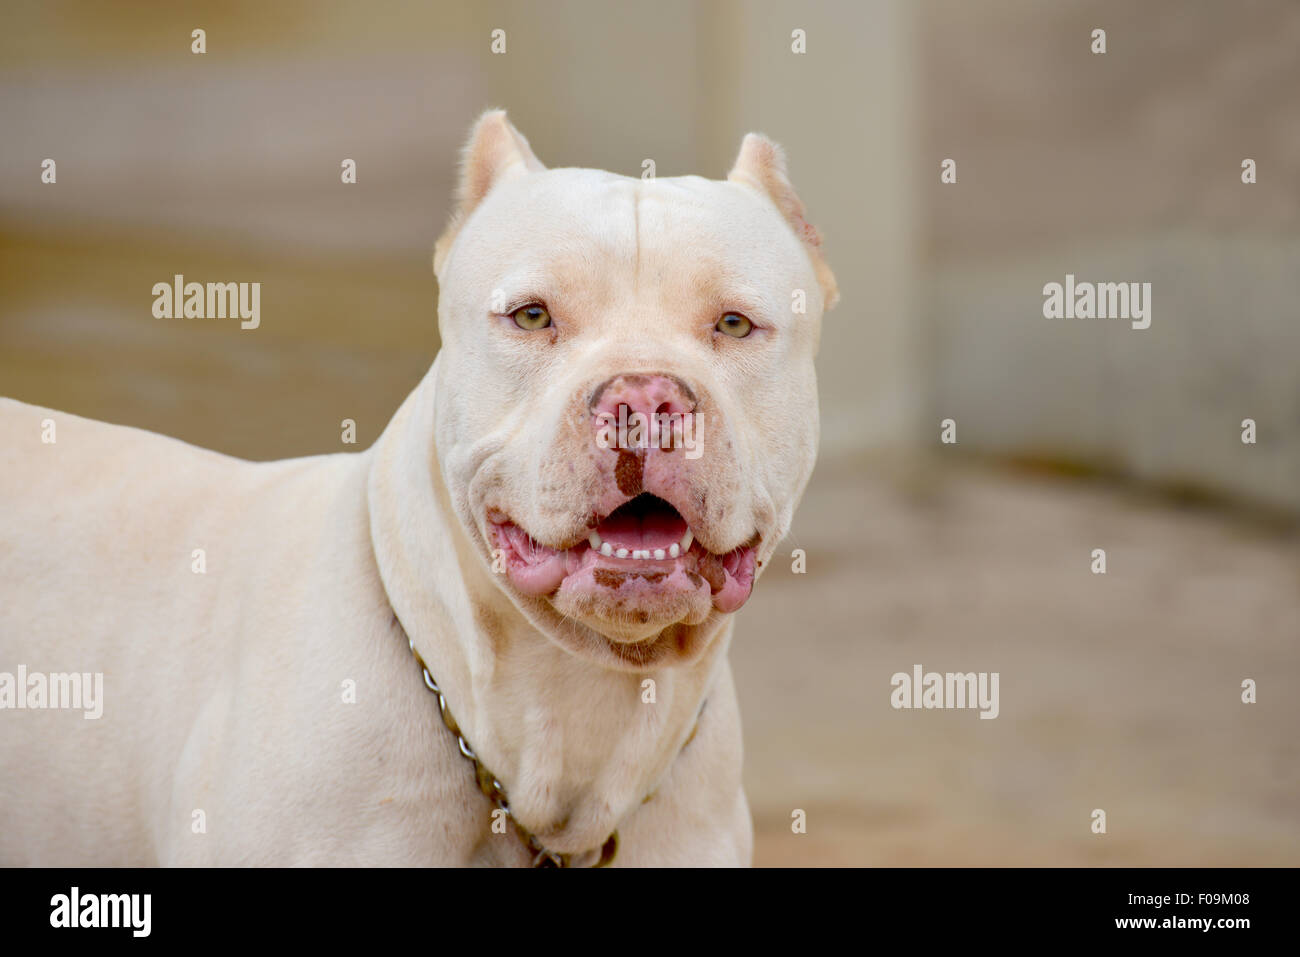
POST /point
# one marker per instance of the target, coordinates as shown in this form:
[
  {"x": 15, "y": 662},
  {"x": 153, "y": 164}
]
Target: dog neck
[{"x": 578, "y": 746}]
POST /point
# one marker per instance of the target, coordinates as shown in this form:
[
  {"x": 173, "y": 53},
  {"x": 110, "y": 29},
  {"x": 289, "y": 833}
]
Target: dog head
[{"x": 626, "y": 406}]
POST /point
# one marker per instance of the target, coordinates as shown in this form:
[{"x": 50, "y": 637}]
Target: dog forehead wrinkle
[
  {"x": 532, "y": 226},
  {"x": 752, "y": 254}
]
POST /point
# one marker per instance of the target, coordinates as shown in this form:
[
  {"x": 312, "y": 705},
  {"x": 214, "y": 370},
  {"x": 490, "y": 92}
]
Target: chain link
[{"x": 496, "y": 792}]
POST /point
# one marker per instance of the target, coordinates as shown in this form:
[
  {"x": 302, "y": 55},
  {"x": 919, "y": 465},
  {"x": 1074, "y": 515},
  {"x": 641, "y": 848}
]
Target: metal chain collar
[{"x": 495, "y": 791}]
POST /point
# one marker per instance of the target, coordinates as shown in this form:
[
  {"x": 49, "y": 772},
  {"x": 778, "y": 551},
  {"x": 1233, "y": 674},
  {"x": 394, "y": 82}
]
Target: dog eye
[
  {"x": 734, "y": 324},
  {"x": 531, "y": 317}
]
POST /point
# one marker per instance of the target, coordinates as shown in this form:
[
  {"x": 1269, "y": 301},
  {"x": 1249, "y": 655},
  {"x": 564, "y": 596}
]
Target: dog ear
[
  {"x": 495, "y": 152},
  {"x": 761, "y": 166}
]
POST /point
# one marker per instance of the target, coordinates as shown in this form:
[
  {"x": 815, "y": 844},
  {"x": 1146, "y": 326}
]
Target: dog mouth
[{"x": 642, "y": 559}]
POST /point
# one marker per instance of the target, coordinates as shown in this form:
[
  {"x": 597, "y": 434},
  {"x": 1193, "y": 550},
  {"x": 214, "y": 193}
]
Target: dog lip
[
  {"x": 500, "y": 520},
  {"x": 538, "y": 570}
]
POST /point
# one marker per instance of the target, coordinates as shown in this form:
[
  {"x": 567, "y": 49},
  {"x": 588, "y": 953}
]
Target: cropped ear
[
  {"x": 495, "y": 152},
  {"x": 761, "y": 166}
]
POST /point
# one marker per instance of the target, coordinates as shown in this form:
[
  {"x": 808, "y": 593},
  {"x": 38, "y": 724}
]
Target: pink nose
[{"x": 649, "y": 395}]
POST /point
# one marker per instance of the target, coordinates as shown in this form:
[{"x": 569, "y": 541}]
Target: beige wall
[
  {"x": 171, "y": 162},
  {"x": 1123, "y": 166},
  {"x": 1118, "y": 167}
]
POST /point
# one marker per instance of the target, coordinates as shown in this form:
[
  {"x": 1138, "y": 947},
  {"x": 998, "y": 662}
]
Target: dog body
[{"x": 261, "y": 703}]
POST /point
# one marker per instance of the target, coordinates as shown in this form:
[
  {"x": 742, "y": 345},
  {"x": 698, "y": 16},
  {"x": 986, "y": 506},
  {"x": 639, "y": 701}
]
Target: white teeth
[{"x": 674, "y": 550}]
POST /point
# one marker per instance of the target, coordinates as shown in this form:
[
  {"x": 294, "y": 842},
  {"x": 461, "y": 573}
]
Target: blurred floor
[{"x": 1118, "y": 691}]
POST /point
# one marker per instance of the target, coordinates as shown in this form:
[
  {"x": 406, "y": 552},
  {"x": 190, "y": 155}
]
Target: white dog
[{"x": 559, "y": 522}]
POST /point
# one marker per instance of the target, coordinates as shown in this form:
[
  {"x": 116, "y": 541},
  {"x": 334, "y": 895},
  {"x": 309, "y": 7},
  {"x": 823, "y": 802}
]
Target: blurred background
[{"x": 1119, "y": 691}]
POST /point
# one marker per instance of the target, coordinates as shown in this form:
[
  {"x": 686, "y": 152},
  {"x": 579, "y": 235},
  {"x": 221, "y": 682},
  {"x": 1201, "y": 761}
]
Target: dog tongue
[{"x": 659, "y": 528}]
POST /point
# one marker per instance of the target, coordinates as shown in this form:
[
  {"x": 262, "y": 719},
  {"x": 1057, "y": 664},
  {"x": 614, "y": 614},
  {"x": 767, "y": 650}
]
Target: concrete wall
[
  {"x": 1124, "y": 166},
  {"x": 229, "y": 163},
  {"x": 1118, "y": 167}
]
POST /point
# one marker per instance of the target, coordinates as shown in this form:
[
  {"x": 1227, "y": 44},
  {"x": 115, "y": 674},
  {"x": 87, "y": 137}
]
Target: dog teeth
[{"x": 675, "y": 550}]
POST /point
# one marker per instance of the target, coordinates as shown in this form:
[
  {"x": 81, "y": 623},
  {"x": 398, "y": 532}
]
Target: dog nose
[{"x": 650, "y": 395}]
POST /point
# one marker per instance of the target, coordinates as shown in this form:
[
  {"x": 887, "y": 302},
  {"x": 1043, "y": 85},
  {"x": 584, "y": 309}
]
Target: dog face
[{"x": 626, "y": 402}]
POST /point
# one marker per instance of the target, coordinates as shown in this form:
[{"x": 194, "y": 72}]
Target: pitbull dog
[{"x": 570, "y": 587}]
